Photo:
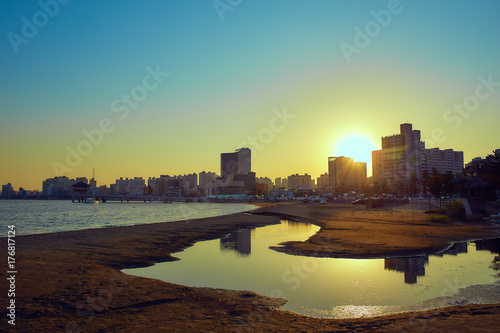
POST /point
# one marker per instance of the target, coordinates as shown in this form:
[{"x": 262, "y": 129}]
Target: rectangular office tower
[
  {"x": 228, "y": 164},
  {"x": 236, "y": 175},
  {"x": 244, "y": 161},
  {"x": 235, "y": 163}
]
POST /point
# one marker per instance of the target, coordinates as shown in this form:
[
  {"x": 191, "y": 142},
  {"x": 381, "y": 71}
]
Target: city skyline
[
  {"x": 248, "y": 159},
  {"x": 163, "y": 88}
]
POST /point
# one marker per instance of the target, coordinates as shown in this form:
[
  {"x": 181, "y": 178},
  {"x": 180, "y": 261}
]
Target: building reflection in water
[
  {"x": 492, "y": 245},
  {"x": 238, "y": 241},
  {"x": 414, "y": 267}
]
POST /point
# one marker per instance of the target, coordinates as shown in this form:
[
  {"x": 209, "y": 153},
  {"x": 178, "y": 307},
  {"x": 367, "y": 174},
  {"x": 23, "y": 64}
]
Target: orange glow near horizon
[{"x": 356, "y": 146}]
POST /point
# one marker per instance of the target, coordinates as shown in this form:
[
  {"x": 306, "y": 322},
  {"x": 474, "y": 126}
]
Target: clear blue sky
[{"x": 225, "y": 78}]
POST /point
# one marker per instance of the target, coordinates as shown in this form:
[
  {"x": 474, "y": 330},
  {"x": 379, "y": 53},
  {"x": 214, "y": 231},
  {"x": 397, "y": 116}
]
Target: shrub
[
  {"x": 436, "y": 211},
  {"x": 455, "y": 209},
  {"x": 438, "y": 218}
]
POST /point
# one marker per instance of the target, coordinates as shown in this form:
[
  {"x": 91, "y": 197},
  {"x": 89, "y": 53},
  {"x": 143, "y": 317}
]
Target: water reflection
[
  {"x": 413, "y": 267},
  {"x": 492, "y": 245},
  {"x": 238, "y": 241},
  {"x": 330, "y": 287}
]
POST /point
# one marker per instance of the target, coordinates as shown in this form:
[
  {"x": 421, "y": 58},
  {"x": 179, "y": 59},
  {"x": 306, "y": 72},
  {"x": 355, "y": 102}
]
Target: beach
[{"x": 71, "y": 281}]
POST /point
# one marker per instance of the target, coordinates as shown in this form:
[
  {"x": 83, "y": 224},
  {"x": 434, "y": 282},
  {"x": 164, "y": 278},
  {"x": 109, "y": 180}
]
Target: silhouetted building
[
  {"x": 236, "y": 176},
  {"x": 238, "y": 162},
  {"x": 133, "y": 186},
  {"x": 345, "y": 175},
  {"x": 277, "y": 183},
  {"x": 207, "y": 182},
  {"x": 244, "y": 161},
  {"x": 22, "y": 192},
  {"x": 174, "y": 187},
  {"x": 323, "y": 182},
  {"x": 189, "y": 182},
  {"x": 284, "y": 183},
  {"x": 456, "y": 249},
  {"x": 239, "y": 241},
  {"x": 404, "y": 156},
  {"x": 228, "y": 164},
  {"x": 377, "y": 165},
  {"x": 412, "y": 267},
  {"x": 60, "y": 187},
  {"x": 261, "y": 188},
  {"x": 267, "y": 181},
  {"x": 8, "y": 191},
  {"x": 492, "y": 245},
  {"x": 300, "y": 181}
]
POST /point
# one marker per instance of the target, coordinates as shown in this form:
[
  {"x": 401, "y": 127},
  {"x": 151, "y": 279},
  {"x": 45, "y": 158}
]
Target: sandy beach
[{"x": 71, "y": 281}]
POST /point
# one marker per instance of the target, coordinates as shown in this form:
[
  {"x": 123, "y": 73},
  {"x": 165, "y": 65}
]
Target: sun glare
[{"x": 356, "y": 146}]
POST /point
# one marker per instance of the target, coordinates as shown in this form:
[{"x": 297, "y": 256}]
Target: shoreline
[
  {"x": 184, "y": 218},
  {"x": 84, "y": 289}
]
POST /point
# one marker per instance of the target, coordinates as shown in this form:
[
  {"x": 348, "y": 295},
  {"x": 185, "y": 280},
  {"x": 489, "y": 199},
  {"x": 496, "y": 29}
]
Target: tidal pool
[{"x": 334, "y": 288}]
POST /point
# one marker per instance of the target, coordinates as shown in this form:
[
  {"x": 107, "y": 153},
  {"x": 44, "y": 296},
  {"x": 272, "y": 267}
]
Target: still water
[
  {"x": 43, "y": 216},
  {"x": 327, "y": 287}
]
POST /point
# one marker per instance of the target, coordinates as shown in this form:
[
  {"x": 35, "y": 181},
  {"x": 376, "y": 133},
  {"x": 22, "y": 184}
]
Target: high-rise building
[
  {"x": 277, "y": 183},
  {"x": 238, "y": 162},
  {"x": 228, "y": 164},
  {"x": 345, "y": 175},
  {"x": 59, "y": 186},
  {"x": 299, "y": 181},
  {"x": 236, "y": 174},
  {"x": 7, "y": 191},
  {"x": 377, "y": 165},
  {"x": 265, "y": 180},
  {"x": 189, "y": 181},
  {"x": 323, "y": 182},
  {"x": 404, "y": 156},
  {"x": 207, "y": 182},
  {"x": 158, "y": 185},
  {"x": 284, "y": 183},
  {"x": 244, "y": 161},
  {"x": 131, "y": 186},
  {"x": 444, "y": 160}
]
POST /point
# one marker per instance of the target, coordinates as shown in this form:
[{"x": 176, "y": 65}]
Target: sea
[{"x": 47, "y": 216}]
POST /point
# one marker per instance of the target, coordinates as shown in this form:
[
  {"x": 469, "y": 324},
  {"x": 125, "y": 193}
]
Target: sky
[{"x": 147, "y": 88}]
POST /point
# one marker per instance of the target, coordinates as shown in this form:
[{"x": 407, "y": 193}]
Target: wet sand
[{"x": 70, "y": 281}]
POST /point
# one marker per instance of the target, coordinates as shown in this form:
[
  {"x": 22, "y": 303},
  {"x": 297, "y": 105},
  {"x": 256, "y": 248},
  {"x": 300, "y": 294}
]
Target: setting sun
[{"x": 356, "y": 146}]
